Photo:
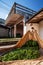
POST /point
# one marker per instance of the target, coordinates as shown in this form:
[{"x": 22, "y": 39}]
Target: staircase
[{"x": 28, "y": 36}]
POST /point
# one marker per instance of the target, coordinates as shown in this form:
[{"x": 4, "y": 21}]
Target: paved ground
[{"x": 24, "y": 62}]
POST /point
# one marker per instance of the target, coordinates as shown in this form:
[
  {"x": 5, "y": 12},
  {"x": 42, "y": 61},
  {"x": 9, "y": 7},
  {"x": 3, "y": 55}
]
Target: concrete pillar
[
  {"x": 14, "y": 30},
  {"x": 24, "y": 27},
  {"x": 10, "y": 33}
]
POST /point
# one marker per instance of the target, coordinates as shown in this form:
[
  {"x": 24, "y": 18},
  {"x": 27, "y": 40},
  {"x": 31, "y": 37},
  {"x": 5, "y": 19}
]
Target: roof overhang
[
  {"x": 14, "y": 19},
  {"x": 36, "y": 18}
]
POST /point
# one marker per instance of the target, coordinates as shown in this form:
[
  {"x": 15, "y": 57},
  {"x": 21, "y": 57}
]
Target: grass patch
[{"x": 29, "y": 51}]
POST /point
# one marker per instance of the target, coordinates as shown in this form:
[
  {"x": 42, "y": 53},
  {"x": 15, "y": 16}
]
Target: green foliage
[
  {"x": 29, "y": 51},
  {"x": 31, "y": 43}
]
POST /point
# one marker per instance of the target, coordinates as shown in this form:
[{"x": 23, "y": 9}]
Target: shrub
[
  {"x": 29, "y": 51},
  {"x": 31, "y": 43}
]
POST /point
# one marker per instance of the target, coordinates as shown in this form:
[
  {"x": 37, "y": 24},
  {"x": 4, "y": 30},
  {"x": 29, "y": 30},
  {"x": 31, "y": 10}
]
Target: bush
[
  {"x": 29, "y": 51},
  {"x": 31, "y": 43}
]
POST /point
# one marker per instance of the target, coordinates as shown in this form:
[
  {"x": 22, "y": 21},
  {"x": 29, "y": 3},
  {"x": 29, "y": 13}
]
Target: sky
[{"x": 5, "y": 6}]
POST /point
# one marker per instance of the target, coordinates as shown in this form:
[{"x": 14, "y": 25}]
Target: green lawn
[{"x": 9, "y": 39}]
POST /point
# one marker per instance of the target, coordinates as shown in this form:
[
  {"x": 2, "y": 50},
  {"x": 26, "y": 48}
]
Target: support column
[
  {"x": 10, "y": 33},
  {"x": 14, "y": 30},
  {"x": 24, "y": 27}
]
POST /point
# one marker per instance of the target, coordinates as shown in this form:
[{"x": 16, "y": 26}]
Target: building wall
[
  {"x": 3, "y": 32},
  {"x": 41, "y": 29},
  {"x": 35, "y": 25}
]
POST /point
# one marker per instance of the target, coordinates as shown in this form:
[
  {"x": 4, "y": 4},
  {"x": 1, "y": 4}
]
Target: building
[
  {"x": 4, "y": 31},
  {"x": 37, "y": 22},
  {"x": 17, "y": 18},
  {"x": 21, "y": 19},
  {"x": 2, "y": 21}
]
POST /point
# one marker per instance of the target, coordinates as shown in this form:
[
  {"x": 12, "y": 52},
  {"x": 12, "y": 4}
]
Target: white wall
[
  {"x": 35, "y": 25},
  {"x": 41, "y": 29}
]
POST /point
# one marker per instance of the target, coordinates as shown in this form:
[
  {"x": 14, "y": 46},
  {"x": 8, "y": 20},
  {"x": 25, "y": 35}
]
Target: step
[{"x": 7, "y": 43}]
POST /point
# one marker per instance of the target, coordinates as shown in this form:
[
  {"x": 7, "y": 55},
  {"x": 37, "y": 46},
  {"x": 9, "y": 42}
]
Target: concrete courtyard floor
[{"x": 38, "y": 61}]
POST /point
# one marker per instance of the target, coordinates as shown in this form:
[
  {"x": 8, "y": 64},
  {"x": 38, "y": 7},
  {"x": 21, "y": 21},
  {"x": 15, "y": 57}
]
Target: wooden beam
[
  {"x": 16, "y": 21},
  {"x": 19, "y": 20}
]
